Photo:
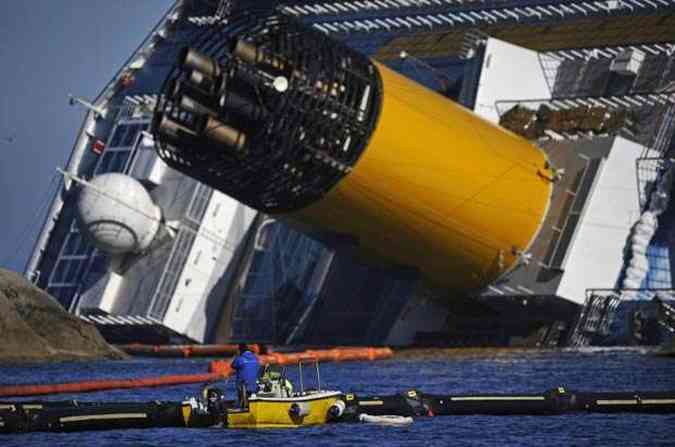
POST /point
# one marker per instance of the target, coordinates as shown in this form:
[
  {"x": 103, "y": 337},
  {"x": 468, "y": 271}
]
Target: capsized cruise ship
[{"x": 399, "y": 211}]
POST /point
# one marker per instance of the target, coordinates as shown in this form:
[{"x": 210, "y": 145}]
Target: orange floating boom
[
  {"x": 183, "y": 350},
  {"x": 218, "y": 369},
  {"x": 325, "y": 355},
  {"x": 103, "y": 385}
]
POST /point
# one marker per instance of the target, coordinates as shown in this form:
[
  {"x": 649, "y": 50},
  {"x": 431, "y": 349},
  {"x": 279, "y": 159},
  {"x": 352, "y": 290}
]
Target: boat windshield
[{"x": 278, "y": 381}]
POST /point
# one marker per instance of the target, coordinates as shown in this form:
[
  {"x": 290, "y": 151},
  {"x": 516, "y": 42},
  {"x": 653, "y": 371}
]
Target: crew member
[
  {"x": 215, "y": 402},
  {"x": 246, "y": 367}
]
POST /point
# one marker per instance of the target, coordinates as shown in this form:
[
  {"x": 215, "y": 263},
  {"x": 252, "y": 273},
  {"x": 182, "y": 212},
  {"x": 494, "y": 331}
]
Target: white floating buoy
[{"x": 386, "y": 420}]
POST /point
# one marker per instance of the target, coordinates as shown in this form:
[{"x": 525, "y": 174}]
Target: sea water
[{"x": 439, "y": 373}]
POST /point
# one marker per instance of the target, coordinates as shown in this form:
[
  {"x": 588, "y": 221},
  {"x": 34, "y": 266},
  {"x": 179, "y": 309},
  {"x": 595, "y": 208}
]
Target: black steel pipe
[
  {"x": 193, "y": 59},
  {"x": 220, "y": 133},
  {"x": 245, "y": 107}
]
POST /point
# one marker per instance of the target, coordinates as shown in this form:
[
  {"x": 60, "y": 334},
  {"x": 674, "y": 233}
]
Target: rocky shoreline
[{"x": 35, "y": 328}]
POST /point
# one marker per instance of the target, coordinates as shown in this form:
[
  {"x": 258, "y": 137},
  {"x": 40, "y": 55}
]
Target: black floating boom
[
  {"x": 72, "y": 416},
  {"x": 552, "y": 402}
]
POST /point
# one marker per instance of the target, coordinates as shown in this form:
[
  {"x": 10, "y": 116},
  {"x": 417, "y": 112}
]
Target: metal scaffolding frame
[
  {"x": 550, "y": 61},
  {"x": 598, "y": 314},
  {"x": 659, "y": 139},
  {"x": 611, "y": 52},
  {"x": 385, "y": 15}
]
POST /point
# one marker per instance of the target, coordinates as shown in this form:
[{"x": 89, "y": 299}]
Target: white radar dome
[{"x": 117, "y": 214}]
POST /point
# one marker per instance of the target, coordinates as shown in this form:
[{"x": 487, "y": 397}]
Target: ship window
[
  {"x": 120, "y": 162},
  {"x": 85, "y": 248},
  {"x": 65, "y": 271},
  {"x": 72, "y": 244},
  {"x": 93, "y": 272},
  {"x": 104, "y": 166},
  {"x": 67, "y": 294},
  {"x": 73, "y": 271},
  {"x": 117, "y": 136},
  {"x": 125, "y": 135},
  {"x": 59, "y": 271},
  {"x": 99, "y": 264},
  {"x": 130, "y": 136},
  {"x": 76, "y": 245},
  {"x": 63, "y": 295},
  {"x": 113, "y": 161},
  {"x": 659, "y": 274}
]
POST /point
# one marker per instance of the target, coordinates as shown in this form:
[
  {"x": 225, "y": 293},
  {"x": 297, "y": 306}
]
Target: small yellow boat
[
  {"x": 312, "y": 408},
  {"x": 276, "y": 405}
]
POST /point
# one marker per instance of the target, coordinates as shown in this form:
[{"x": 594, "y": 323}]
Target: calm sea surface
[{"x": 592, "y": 370}]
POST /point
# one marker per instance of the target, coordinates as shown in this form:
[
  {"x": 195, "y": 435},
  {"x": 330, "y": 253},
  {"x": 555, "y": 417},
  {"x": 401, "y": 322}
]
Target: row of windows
[
  {"x": 200, "y": 201},
  {"x": 658, "y": 275},
  {"x": 65, "y": 279},
  {"x": 174, "y": 268},
  {"x": 124, "y": 136},
  {"x": 74, "y": 258}
]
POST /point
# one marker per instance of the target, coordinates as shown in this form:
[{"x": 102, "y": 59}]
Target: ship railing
[
  {"x": 550, "y": 61},
  {"x": 354, "y": 17},
  {"x": 600, "y": 311}
]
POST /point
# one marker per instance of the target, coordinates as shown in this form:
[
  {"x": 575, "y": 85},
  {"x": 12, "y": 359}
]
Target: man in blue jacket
[{"x": 246, "y": 367}]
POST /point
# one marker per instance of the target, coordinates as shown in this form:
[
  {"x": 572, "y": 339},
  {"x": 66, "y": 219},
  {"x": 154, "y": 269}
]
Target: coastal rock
[{"x": 36, "y": 328}]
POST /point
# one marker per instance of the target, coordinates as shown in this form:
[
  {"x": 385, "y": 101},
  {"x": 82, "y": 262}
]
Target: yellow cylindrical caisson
[
  {"x": 440, "y": 189},
  {"x": 339, "y": 144}
]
